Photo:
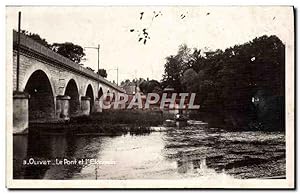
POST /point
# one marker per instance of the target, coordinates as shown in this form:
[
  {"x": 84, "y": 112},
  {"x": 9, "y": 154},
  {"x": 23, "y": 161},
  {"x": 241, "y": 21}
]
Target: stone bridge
[{"x": 52, "y": 87}]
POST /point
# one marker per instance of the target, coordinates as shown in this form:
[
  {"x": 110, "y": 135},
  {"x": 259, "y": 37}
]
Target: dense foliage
[
  {"x": 244, "y": 84},
  {"x": 102, "y": 72},
  {"x": 37, "y": 38},
  {"x": 71, "y": 51},
  {"x": 150, "y": 86}
]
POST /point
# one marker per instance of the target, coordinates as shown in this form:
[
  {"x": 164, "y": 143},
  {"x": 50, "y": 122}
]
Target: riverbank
[{"x": 105, "y": 123}]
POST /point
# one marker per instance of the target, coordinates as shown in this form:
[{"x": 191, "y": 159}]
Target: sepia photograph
[{"x": 157, "y": 97}]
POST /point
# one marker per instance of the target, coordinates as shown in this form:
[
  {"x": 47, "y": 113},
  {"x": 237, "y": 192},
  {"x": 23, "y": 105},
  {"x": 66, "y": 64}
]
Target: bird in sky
[
  {"x": 141, "y": 17},
  {"x": 182, "y": 16}
]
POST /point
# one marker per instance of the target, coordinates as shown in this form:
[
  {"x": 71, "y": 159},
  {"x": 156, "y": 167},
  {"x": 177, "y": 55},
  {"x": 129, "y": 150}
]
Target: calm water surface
[{"x": 174, "y": 153}]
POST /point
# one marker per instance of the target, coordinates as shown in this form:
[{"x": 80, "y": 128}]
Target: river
[{"x": 167, "y": 153}]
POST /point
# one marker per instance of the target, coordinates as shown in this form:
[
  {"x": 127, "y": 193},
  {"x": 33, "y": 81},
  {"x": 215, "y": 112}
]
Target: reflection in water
[
  {"x": 51, "y": 148},
  {"x": 19, "y": 153},
  {"x": 186, "y": 152}
]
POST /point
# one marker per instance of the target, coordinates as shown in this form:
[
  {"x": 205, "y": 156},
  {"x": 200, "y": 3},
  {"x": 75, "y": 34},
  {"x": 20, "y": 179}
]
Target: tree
[
  {"x": 197, "y": 60},
  {"x": 37, "y": 38},
  {"x": 71, "y": 51},
  {"x": 175, "y": 67},
  {"x": 189, "y": 79},
  {"x": 67, "y": 49},
  {"x": 226, "y": 82},
  {"x": 150, "y": 86},
  {"x": 125, "y": 83},
  {"x": 102, "y": 72}
]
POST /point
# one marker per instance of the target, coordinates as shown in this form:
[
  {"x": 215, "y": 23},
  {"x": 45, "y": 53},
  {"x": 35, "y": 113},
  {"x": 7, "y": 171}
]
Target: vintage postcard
[{"x": 150, "y": 97}]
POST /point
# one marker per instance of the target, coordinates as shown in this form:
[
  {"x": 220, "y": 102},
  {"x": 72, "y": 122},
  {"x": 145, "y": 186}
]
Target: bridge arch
[
  {"x": 41, "y": 101},
  {"x": 33, "y": 68},
  {"x": 108, "y": 97},
  {"x": 113, "y": 96},
  {"x": 100, "y": 92},
  {"x": 72, "y": 91},
  {"x": 89, "y": 92}
]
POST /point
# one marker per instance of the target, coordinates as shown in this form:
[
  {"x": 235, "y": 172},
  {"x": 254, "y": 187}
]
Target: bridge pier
[
  {"x": 20, "y": 112},
  {"x": 62, "y": 107},
  {"x": 98, "y": 105},
  {"x": 85, "y": 105}
]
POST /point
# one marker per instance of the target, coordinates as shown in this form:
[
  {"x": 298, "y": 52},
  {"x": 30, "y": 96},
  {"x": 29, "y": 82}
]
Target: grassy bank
[{"x": 106, "y": 123}]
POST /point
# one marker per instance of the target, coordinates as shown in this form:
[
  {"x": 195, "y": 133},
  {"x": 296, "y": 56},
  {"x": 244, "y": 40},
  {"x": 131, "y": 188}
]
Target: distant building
[{"x": 130, "y": 88}]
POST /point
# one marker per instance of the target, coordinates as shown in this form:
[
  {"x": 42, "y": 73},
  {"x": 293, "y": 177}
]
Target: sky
[{"x": 199, "y": 27}]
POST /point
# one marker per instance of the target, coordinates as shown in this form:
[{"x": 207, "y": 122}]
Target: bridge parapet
[{"x": 35, "y": 47}]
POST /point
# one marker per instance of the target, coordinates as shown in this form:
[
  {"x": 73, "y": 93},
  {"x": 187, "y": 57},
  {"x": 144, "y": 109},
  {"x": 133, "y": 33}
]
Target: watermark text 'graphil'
[{"x": 138, "y": 101}]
